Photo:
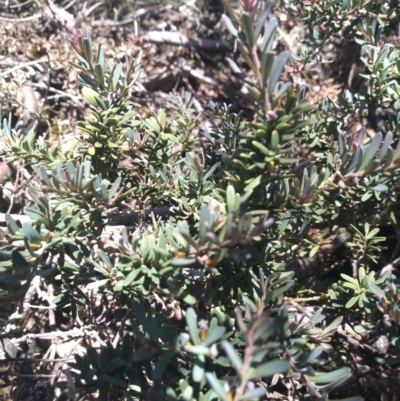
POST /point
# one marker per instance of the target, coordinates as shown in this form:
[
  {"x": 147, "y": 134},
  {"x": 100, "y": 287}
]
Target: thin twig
[
  {"x": 74, "y": 333},
  {"x": 195, "y": 74},
  {"x": 25, "y": 19},
  {"x": 120, "y": 330},
  {"x": 22, "y": 65},
  {"x": 389, "y": 267},
  {"x": 38, "y": 360},
  {"x": 176, "y": 38},
  {"x": 130, "y": 18}
]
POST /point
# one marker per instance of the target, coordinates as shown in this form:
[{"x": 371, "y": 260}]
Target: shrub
[{"x": 243, "y": 259}]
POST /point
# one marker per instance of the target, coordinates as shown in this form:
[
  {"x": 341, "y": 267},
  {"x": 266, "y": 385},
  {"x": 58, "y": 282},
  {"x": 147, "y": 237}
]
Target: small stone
[
  {"x": 6, "y": 172},
  {"x": 381, "y": 344}
]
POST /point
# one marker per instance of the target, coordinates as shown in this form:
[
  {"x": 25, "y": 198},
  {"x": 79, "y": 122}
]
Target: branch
[{"x": 177, "y": 39}]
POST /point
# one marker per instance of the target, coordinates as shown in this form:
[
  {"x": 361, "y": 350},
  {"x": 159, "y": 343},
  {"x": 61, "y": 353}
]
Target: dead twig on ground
[
  {"x": 177, "y": 39},
  {"x": 131, "y": 17},
  {"x": 18, "y": 20},
  {"x": 23, "y": 65}
]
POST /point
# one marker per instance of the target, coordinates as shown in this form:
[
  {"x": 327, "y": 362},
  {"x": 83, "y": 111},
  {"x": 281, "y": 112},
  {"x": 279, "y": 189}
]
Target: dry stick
[
  {"x": 175, "y": 38},
  {"x": 54, "y": 367},
  {"x": 298, "y": 307},
  {"x": 120, "y": 329},
  {"x": 197, "y": 105},
  {"x": 65, "y": 94},
  {"x": 74, "y": 333},
  {"x": 22, "y": 65},
  {"x": 355, "y": 342},
  {"x": 27, "y": 177},
  {"x": 13, "y": 193},
  {"x": 44, "y": 360},
  {"x": 19, "y": 5},
  {"x": 26, "y": 19},
  {"x": 34, "y": 375},
  {"x": 246, "y": 365},
  {"x": 195, "y": 74},
  {"x": 50, "y": 352},
  {"x": 131, "y": 17},
  {"x": 30, "y": 293},
  {"x": 389, "y": 267},
  {"x": 40, "y": 114},
  {"x": 52, "y": 316}
]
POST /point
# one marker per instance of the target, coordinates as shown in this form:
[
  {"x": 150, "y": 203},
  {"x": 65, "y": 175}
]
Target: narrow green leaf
[
  {"x": 233, "y": 356},
  {"x": 355, "y": 287},
  {"x": 254, "y": 183},
  {"x": 18, "y": 260},
  {"x": 279, "y": 291},
  {"x": 187, "y": 395},
  {"x": 388, "y": 361},
  {"x": 97, "y": 284},
  {"x": 198, "y": 369},
  {"x": 117, "y": 74},
  {"x": 210, "y": 172},
  {"x": 385, "y": 145},
  {"x": 269, "y": 36},
  {"x": 317, "y": 317},
  {"x": 113, "y": 190},
  {"x": 262, "y": 18},
  {"x": 247, "y": 26},
  {"x": 188, "y": 238},
  {"x": 99, "y": 74},
  {"x": 267, "y": 61},
  {"x": 100, "y": 56},
  {"x": 234, "y": 32},
  {"x": 188, "y": 299},
  {"x": 351, "y": 302},
  {"x": 268, "y": 369},
  {"x": 11, "y": 225},
  {"x": 105, "y": 258},
  {"x": 214, "y": 335},
  {"x": 216, "y": 386},
  {"x": 161, "y": 366},
  {"x": 356, "y": 161},
  {"x": 282, "y": 90},
  {"x": 331, "y": 376},
  {"x": 333, "y": 326},
  {"x": 341, "y": 144},
  {"x": 87, "y": 47},
  {"x": 245, "y": 54},
  {"x": 31, "y": 234},
  {"x": 230, "y": 198},
  {"x": 350, "y": 279},
  {"x": 182, "y": 262},
  {"x": 262, "y": 148},
  {"x": 312, "y": 356},
  {"x": 372, "y": 166},
  {"x": 34, "y": 214},
  {"x": 376, "y": 290},
  {"x": 380, "y": 188},
  {"x": 191, "y": 321},
  {"x": 115, "y": 365},
  {"x": 130, "y": 278},
  {"x": 372, "y": 149},
  {"x": 255, "y": 393},
  {"x": 277, "y": 68}
]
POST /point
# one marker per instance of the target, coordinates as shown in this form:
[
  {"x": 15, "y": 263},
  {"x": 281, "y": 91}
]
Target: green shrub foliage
[{"x": 244, "y": 262}]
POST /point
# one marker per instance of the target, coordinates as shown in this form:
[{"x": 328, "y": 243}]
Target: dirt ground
[{"x": 182, "y": 45}]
